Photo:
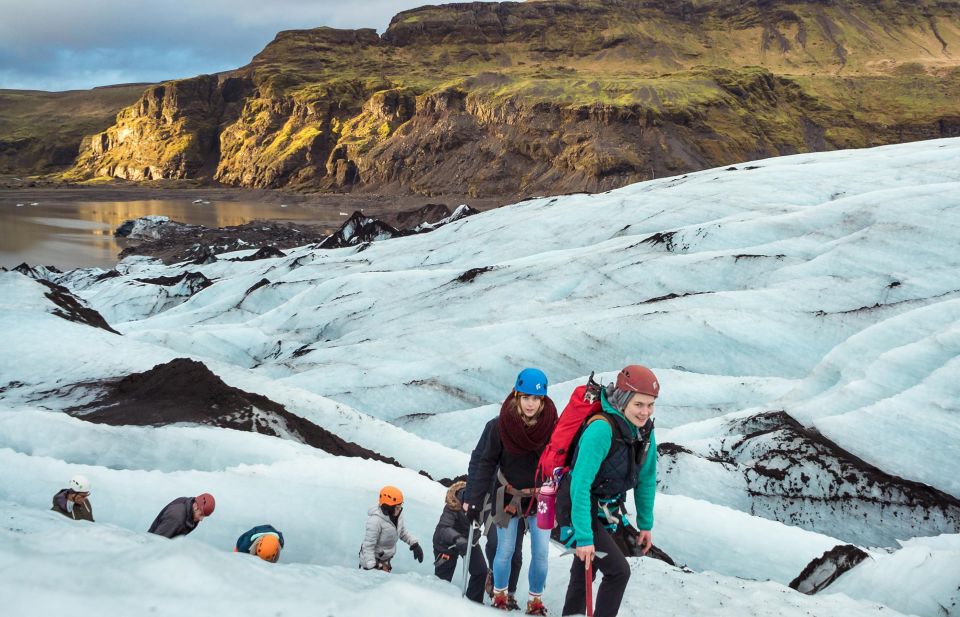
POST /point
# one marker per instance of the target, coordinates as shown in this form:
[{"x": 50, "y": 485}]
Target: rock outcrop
[
  {"x": 185, "y": 390},
  {"x": 65, "y": 304},
  {"x": 827, "y": 568},
  {"x": 772, "y": 466},
  {"x": 172, "y": 132}
]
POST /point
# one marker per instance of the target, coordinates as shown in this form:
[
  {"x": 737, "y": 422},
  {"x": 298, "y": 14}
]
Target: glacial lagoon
[{"x": 80, "y": 233}]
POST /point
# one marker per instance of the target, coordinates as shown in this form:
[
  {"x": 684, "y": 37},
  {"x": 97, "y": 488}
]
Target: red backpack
[{"x": 584, "y": 402}]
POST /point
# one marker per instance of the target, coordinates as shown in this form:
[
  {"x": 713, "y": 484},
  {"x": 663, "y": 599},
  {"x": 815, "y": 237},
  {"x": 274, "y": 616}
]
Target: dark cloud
[{"x": 57, "y": 45}]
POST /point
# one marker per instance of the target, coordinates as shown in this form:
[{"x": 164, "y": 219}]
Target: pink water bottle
[{"x": 545, "y": 505}]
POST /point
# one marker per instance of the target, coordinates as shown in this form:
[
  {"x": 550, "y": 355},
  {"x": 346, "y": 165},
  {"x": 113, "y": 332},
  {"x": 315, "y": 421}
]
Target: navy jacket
[{"x": 245, "y": 541}]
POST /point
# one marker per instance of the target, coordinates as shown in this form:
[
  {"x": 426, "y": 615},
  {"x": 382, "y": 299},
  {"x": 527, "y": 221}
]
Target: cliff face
[
  {"x": 40, "y": 132},
  {"x": 173, "y": 131},
  {"x": 515, "y": 99}
]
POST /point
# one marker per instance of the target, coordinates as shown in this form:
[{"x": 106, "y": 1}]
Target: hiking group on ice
[{"x": 533, "y": 471}]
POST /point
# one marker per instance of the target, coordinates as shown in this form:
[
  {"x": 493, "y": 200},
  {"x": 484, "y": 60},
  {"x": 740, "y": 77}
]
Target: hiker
[
  {"x": 73, "y": 501},
  {"x": 514, "y": 441},
  {"x": 450, "y": 541},
  {"x": 490, "y": 549},
  {"x": 182, "y": 515},
  {"x": 264, "y": 541},
  {"x": 384, "y": 527},
  {"x": 616, "y": 452}
]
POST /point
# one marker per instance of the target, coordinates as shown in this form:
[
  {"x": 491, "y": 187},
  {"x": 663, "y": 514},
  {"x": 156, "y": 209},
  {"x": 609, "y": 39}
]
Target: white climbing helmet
[{"x": 79, "y": 484}]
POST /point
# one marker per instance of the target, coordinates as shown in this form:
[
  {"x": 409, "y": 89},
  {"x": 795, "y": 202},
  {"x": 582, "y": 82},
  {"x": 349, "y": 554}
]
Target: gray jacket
[
  {"x": 176, "y": 519},
  {"x": 380, "y": 538}
]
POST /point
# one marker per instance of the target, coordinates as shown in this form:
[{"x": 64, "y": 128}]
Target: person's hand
[
  {"x": 645, "y": 541},
  {"x": 462, "y": 546},
  {"x": 417, "y": 552},
  {"x": 585, "y": 554},
  {"x": 473, "y": 514}
]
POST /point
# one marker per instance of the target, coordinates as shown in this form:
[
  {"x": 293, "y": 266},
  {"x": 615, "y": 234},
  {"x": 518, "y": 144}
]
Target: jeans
[
  {"x": 517, "y": 563},
  {"x": 506, "y": 545}
]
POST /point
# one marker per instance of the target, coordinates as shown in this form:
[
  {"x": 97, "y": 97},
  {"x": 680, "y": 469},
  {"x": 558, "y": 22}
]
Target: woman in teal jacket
[{"x": 616, "y": 452}]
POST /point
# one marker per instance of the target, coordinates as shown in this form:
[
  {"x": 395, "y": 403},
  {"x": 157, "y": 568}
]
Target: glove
[
  {"x": 417, "y": 552},
  {"x": 473, "y": 514},
  {"x": 462, "y": 546}
]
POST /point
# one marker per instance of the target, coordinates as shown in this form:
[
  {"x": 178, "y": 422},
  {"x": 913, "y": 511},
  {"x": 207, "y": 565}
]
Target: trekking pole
[
  {"x": 466, "y": 559},
  {"x": 588, "y": 575}
]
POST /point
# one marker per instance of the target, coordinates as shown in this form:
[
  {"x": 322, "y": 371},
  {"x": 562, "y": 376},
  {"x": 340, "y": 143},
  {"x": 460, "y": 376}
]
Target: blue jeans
[{"x": 506, "y": 544}]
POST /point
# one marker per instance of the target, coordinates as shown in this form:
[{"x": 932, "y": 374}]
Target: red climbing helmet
[
  {"x": 206, "y": 503},
  {"x": 636, "y": 378}
]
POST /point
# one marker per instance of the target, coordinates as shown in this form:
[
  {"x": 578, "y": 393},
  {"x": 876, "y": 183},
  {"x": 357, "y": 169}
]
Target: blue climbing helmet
[{"x": 531, "y": 381}]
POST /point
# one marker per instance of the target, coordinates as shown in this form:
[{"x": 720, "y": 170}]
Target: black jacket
[
  {"x": 453, "y": 528},
  {"x": 488, "y": 456},
  {"x": 176, "y": 519}
]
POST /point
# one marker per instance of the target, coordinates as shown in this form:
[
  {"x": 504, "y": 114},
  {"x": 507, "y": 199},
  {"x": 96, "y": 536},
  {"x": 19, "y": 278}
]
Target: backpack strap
[{"x": 575, "y": 450}]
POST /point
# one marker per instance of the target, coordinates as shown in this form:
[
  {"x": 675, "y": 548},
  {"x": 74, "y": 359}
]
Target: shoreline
[
  {"x": 318, "y": 215},
  {"x": 373, "y": 204}
]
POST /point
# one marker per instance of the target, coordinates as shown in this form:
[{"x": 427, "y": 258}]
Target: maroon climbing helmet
[{"x": 636, "y": 378}]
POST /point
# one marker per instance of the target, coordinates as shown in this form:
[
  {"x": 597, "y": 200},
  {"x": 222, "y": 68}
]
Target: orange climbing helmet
[
  {"x": 390, "y": 496},
  {"x": 268, "y": 548}
]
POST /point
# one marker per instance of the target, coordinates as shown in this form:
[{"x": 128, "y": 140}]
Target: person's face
[
  {"x": 197, "y": 513},
  {"x": 530, "y": 405},
  {"x": 639, "y": 409}
]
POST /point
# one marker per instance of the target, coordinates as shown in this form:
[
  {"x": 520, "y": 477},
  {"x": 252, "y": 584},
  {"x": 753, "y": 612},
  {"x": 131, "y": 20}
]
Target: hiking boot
[
  {"x": 512, "y": 602},
  {"x": 535, "y": 606},
  {"x": 500, "y": 601},
  {"x": 488, "y": 585}
]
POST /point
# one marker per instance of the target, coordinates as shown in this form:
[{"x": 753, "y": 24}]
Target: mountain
[
  {"x": 547, "y": 97},
  {"x": 802, "y": 314},
  {"x": 42, "y": 132}
]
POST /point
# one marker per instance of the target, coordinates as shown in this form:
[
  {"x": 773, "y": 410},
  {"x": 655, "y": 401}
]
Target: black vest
[{"x": 620, "y": 470}]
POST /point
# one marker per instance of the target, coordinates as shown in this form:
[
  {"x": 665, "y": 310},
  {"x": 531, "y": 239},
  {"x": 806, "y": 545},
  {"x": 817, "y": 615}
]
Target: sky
[{"x": 59, "y": 45}]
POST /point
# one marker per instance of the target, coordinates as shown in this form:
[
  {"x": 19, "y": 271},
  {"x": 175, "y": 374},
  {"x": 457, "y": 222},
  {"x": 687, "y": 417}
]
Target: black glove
[
  {"x": 473, "y": 514},
  {"x": 417, "y": 552},
  {"x": 462, "y": 546}
]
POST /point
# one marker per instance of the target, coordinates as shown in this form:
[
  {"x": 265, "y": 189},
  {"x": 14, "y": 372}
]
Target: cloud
[{"x": 57, "y": 45}]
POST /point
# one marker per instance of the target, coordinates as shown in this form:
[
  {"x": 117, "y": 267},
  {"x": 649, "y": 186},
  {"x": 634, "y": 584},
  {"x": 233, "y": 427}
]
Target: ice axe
[
  {"x": 573, "y": 551},
  {"x": 588, "y": 574},
  {"x": 466, "y": 559}
]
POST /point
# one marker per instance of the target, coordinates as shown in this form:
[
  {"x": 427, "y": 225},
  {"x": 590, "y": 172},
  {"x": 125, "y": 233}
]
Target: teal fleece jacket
[{"x": 594, "y": 446}]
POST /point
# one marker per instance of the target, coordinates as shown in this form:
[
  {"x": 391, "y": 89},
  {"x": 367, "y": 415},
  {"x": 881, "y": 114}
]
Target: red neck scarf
[{"x": 518, "y": 438}]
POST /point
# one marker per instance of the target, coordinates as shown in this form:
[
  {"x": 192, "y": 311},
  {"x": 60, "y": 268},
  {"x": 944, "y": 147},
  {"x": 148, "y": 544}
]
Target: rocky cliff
[
  {"x": 515, "y": 99},
  {"x": 41, "y": 132}
]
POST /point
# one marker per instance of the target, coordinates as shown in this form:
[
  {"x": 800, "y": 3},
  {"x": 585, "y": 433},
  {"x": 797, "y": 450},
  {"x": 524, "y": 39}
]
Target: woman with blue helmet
[{"x": 511, "y": 446}]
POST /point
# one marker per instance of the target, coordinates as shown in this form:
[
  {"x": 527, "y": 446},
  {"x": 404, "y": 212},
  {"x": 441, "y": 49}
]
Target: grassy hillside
[{"x": 41, "y": 131}]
